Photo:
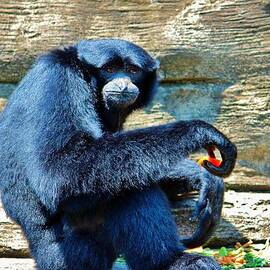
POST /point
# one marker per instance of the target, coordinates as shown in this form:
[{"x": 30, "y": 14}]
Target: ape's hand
[
  {"x": 189, "y": 176},
  {"x": 213, "y": 138},
  {"x": 207, "y": 211}
]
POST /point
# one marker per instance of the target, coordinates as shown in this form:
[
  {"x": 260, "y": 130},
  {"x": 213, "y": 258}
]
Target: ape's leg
[
  {"x": 143, "y": 230},
  {"x": 53, "y": 245},
  {"x": 70, "y": 251}
]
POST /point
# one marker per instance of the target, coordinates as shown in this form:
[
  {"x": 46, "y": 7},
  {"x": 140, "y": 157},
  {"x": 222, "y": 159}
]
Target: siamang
[{"x": 82, "y": 189}]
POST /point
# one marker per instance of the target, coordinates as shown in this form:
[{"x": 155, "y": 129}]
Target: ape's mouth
[{"x": 119, "y": 100}]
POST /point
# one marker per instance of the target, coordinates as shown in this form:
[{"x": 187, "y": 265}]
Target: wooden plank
[{"x": 29, "y": 28}]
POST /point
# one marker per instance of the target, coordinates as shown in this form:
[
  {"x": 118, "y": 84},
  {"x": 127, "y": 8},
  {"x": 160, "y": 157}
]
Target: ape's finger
[
  {"x": 199, "y": 209},
  {"x": 210, "y": 151},
  {"x": 228, "y": 154},
  {"x": 203, "y": 231},
  {"x": 208, "y": 194},
  {"x": 203, "y": 200}
]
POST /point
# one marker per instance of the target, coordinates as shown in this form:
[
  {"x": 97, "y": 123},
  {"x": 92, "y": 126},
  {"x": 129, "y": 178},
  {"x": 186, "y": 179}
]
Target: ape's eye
[
  {"x": 110, "y": 69},
  {"x": 133, "y": 69}
]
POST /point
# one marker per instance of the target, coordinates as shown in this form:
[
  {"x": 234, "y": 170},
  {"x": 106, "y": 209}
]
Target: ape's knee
[{"x": 159, "y": 258}]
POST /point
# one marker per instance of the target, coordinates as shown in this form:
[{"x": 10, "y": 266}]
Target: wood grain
[{"x": 195, "y": 40}]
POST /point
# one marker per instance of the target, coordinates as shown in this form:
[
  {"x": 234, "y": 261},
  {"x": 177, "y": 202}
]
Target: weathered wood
[
  {"x": 12, "y": 242},
  {"x": 196, "y": 40},
  {"x": 249, "y": 126},
  {"x": 245, "y": 216},
  {"x": 16, "y": 264}
]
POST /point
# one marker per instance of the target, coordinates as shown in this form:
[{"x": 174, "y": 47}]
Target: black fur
[{"x": 84, "y": 191}]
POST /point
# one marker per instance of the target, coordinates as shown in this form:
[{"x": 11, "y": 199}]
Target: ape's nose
[
  {"x": 125, "y": 89},
  {"x": 120, "y": 93}
]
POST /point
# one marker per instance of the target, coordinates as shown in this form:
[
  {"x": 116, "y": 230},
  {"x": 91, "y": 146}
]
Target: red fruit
[{"x": 214, "y": 161}]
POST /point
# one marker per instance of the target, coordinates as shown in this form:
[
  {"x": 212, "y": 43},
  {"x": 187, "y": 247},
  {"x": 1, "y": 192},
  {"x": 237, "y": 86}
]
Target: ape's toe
[{"x": 187, "y": 261}]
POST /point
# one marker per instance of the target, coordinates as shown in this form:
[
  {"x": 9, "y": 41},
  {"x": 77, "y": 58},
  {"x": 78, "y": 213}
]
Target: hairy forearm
[
  {"x": 126, "y": 160},
  {"x": 134, "y": 159}
]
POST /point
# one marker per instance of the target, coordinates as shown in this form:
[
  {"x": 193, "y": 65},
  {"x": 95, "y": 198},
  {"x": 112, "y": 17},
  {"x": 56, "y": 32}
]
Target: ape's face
[
  {"x": 120, "y": 82},
  {"x": 125, "y": 74}
]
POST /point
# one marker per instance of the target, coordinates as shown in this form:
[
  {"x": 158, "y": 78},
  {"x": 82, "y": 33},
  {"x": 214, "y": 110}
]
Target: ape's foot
[{"x": 187, "y": 261}]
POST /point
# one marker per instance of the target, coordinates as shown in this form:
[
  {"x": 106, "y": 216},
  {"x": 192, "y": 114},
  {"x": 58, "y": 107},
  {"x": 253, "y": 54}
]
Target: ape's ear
[
  {"x": 152, "y": 65},
  {"x": 156, "y": 64}
]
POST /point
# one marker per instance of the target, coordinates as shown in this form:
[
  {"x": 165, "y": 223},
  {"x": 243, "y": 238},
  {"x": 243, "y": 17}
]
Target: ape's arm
[{"x": 122, "y": 161}]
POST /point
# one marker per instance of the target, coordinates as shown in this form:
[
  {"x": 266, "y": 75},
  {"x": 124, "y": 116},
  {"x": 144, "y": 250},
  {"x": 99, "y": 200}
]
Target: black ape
[{"x": 84, "y": 191}]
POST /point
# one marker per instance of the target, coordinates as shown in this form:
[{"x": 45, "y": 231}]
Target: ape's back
[
  {"x": 17, "y": 198},
  {"x": 23, "y": 133}
]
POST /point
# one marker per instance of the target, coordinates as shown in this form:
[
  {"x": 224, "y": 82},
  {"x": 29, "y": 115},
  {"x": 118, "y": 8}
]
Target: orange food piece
[
  {"x": 226, "y": 260},
  {"x": 240, "y": 260},
  {"x": 214, "y": 161}
]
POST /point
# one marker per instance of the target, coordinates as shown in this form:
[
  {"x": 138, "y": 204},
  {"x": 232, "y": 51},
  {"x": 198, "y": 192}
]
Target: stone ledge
[{"x": 28, "y": 264}]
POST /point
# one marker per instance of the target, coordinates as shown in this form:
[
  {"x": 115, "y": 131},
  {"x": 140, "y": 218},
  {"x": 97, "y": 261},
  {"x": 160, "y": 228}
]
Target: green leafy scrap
[
  {"x": 223, "y": 252},
  {"x": 252, "y": 261}
]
